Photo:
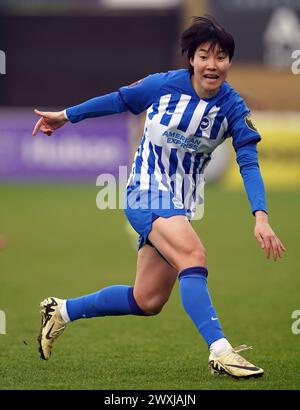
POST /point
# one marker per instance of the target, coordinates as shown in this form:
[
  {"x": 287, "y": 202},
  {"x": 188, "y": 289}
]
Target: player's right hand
[{"x": 49, "y": 121}]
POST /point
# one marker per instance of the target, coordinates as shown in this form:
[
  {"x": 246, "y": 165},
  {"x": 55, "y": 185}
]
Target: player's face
[{"x": 211, "y": 66}]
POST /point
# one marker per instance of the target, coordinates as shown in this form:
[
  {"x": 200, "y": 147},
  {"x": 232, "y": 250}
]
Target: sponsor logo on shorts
[{"x": 177, "y": 204}]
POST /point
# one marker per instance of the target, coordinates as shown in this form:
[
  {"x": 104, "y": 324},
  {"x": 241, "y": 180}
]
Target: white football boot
[
  {"x": 52, "y": 325},
  {"x": 233, "y": 364}
]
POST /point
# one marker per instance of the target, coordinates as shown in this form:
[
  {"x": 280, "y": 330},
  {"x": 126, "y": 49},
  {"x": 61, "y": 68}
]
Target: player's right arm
[
  {"x": 95, "y": 107},
  {"x": 136, "y": 98}
]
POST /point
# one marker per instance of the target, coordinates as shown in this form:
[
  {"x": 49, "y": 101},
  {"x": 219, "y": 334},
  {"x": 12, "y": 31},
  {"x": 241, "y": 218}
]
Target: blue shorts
[{"x": 142, "y": 208}]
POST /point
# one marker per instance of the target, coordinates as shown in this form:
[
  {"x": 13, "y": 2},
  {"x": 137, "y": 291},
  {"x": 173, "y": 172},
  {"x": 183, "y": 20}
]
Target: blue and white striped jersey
[{"x": 181, "y": 131}]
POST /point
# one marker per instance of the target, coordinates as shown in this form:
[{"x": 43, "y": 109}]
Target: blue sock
[
  {"x": 111, "y": 301},
  {"x": 197, "y": 303}
]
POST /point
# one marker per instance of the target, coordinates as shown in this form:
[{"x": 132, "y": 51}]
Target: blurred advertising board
[
  {"x": 278, "y": 152},
  {"x": 78, "y": 152}
]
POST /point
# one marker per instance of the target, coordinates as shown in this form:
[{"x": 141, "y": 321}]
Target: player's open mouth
[{"x": 211, "y": 76}]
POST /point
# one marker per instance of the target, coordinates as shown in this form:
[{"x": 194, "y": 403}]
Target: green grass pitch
[{"x": 60, "y": 244}]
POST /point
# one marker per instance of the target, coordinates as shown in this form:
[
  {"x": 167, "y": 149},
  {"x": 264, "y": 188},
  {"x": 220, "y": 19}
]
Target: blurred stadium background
[{"x": 54, "y": 240}]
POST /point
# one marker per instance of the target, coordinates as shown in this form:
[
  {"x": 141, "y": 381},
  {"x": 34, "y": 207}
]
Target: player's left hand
[{"x": 266, "y": 237}]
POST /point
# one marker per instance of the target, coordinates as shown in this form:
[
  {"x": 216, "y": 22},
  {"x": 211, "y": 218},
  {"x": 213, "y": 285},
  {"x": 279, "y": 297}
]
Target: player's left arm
[
  {"x": 253, "y": 182},
  {"x": 244, "y": 139},
  {"x": 266, "y": 237}
]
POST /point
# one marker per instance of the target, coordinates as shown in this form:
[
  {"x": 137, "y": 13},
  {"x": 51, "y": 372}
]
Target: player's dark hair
[{"x": 203, "y": 30}]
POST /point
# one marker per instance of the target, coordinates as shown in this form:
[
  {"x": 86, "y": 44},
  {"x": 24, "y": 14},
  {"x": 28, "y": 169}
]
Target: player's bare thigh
[
  {"x": 154, "y": 282},
  {"x": 177, "y": 241}
]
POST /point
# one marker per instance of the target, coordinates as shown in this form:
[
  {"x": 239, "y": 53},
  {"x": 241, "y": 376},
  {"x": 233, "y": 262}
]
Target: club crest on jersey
[
  {"x": 249, "y": 123},
  {"x": 205, "y": 123}
]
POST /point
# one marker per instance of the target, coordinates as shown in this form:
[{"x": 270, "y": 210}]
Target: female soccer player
[{"x": 189, "y": 113}]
